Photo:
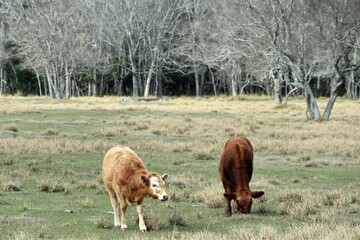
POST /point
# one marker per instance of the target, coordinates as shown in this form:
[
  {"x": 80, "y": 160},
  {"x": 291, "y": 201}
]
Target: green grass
[{"x": 51, "y": 154}]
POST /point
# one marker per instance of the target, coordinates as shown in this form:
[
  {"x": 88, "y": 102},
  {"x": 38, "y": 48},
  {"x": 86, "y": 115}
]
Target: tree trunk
[
  {"x": 135, "y": 84},
  {"x": 329, "y": 106},
  {"x": 197, "y": 84},
  {"x": 277, "y": 91},
  {"x": 93, "y": 85},
  {"x": 312, "y": 110},
  {"x": 213, "y": 81},
  {"x": 233, "y": 86},
  {"x": 102, "y": 85},
  {"x": 135, "y": 92},
  {"x": 148, "y": 79},
  {"x": 275, "y": 75},
  {"x": 335, "y": 84},
  {"x": 89, "y": 88},
  {"x": 1, "y": 81},
  {"x": 159, "y": 88},
  {"x": 122, "y": 79},
  {"x": 351, "y": 88},
  {"x": 67, "y": 82},
  {"x": 50, "y": 82},
  {"x": 39, "y": 82}
]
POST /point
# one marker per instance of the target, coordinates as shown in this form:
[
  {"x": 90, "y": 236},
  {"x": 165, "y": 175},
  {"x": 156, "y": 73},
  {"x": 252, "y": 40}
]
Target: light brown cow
[
  {"x": 126, "y": 179},
  {"x": 235, "y": 168}
]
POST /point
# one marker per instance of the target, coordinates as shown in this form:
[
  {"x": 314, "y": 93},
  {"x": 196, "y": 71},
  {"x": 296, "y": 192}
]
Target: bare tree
[
  {"x": 341, "y": 34},
  {"x": 3, "y": 52},
  {"x": 233, "y": 46},
  {"x": 160, "y": 32},
  {"x": 288, "y": 32}
]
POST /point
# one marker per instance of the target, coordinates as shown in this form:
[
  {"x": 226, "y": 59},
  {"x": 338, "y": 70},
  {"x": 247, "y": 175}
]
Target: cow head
[
  {"x": 244, "y": 200},
  {"x": 156, "y": 184}
]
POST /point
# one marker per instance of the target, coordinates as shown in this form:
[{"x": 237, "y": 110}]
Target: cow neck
[
  {"x": 136, "y": 191},
  {"x": 243, "y": 186},
  {"x": 242, "y": 179}
]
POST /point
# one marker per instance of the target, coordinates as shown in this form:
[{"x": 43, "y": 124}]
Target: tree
[
  {"x": 290, "y": 33},
  {"x": 145, "y": 47}
]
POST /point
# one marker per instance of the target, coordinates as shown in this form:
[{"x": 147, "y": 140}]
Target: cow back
[
  {"x": 122, "y": 170},
  {"x": 236, "y": 164}
]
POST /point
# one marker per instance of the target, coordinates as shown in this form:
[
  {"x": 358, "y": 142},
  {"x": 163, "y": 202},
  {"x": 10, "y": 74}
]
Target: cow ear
[
  {"x": 144, "y": 179},
  {"x": 257, "y": 194},
  {"x": 165, "y": 177}
]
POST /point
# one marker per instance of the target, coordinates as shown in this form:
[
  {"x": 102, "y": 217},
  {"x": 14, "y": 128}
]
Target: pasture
[{"x": 51, "y": 154}]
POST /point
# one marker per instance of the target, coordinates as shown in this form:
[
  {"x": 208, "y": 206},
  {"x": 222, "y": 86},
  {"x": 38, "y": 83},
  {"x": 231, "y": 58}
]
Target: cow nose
[{"x": 164, "y": 198}]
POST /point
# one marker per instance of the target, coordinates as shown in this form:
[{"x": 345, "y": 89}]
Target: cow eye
[{"x": 154, "y": 185}]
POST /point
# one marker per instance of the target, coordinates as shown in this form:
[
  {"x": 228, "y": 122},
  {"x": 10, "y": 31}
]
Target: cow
[
  {"x": 235, "y": 168},
  {"x": 126, "y": 179}
]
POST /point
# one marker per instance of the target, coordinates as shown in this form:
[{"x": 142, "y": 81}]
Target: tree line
[{"x": 65, "y": 48}]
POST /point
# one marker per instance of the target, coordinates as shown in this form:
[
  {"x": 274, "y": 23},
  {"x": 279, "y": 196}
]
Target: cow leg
[
  {"x": 228, "y": 207},
  {"x": 139, "y": 208},
  {"x": 123, "y": 206},
  {"x": 115, "y": 207}
]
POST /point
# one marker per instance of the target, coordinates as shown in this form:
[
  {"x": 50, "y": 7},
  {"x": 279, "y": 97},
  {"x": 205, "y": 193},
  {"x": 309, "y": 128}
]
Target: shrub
[
  {"x": 211, "y": 196},
  {"x": 10, "y": 127},
  {"x": 51, "y": 132},
  {"x": 47, "y": 185},
  {"x": 298, "y": 204},
  {"x": 177, "y": 220},
  {"x": 153, "y": 221},
  {"x": 200, "y": 154},
  {"x": 100, "y": 222},
  {"x": 338, "y": 199},
  {"x": 110, "y": 132},
  {"x": 141, "y": 127},
  {"x": 11, "y": 186}
]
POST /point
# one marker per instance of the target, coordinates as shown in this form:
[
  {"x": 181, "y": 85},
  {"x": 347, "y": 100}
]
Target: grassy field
[{"x": 51, "y": 154}]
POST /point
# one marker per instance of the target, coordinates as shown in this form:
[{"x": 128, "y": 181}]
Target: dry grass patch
[
  {"x": 51, "y": 132},
  {"x": 48, "y": 184},
  {"x": 180, "y": 186},
  {"x": 12, "y": 127},
  {"x": 299, "y": 204},
  {"x": 324, "y": 231},
  {"x": 262, "y": 204},
  {"x": 86, "y": 202},
  {"x": 177, "y": 220},
  {"x": 153, "y": 220},
  {"x": 339, "y": 199},
  {"x": 320, "y": 231},
  {"x": 39, "y": 145},
  {"x": 212, "y": 196},
  {"x": 100, "y": 222},
  {"x": 90, "y": 184},
  {"x": 181, "y": 146},
  {"x": 12, "y": 186},
  {"x": 20, "y": 173},
  {"x": 7, "y": 160},
  {"x": 181, "y": 195},
  {"x": 202, "y": 154},
  {"x": 111, "y": 132}
]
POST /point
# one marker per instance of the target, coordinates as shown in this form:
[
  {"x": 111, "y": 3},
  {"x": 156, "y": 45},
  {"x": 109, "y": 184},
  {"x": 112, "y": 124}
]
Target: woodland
[{"x": 155, "y": 48}]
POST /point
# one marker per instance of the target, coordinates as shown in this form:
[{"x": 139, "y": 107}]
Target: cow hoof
[
  {"x": 143, "y": 230},
  {"x": 228, "y": 214},
  {"x": 123, "y": 227}
]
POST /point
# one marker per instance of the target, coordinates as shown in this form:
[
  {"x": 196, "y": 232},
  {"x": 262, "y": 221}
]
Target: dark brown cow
[
  {"x": 126, "y": 179},
  {"x": 236, "y": 167}
]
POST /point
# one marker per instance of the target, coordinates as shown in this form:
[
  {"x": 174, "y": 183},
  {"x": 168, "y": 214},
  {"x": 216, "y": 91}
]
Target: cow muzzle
[{"x": 163, "y": 198}]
